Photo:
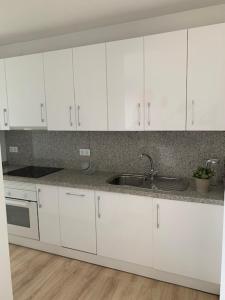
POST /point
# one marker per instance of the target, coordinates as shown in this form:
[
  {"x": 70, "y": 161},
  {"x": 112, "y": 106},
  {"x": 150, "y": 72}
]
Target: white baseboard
[{"x": 119, "y": 265}]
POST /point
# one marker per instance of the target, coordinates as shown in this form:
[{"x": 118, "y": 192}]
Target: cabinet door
[
  {"x": 77, "y": 219},
  {"x": 25, "y": 88},
  {"x": 48, "y": 213},
  {"x": 90, "y": 87},
  {"x": 125, "y": 84},
  {"x": 124, "y": 227},
  {"x": 165, "y": 80},
  {"x": 206, "y": 73},
  {"x": 188, "y": 239},
  {"x": 4, "y": 115},
  {"x": 59, "y": 87}
]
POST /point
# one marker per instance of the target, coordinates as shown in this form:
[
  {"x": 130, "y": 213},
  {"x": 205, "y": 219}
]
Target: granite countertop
[{"x": 98, "y": 181}]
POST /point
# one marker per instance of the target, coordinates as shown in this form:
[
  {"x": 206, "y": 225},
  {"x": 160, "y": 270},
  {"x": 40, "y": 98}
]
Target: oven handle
[{"x": 18, "y": 203}]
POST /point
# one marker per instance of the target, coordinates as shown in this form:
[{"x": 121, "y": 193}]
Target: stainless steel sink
[
  {"x": 170, "y": 183},
  {"x": 159, "y": 182},
  {"x": 128, "y": 179}
]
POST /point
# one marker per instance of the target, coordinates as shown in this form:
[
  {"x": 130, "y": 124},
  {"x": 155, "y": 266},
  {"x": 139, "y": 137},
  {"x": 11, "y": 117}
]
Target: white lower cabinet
[
  {"x": 48, "y": 212},
  {"x": 187, "y": 239},
  {"x": 77, "y": 219},
  {"x": 177, "y": 237},
  {"x": 124, "y": 227}
]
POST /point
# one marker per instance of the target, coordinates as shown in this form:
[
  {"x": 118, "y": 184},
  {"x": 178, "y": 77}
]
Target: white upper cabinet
[
  {"x": 188, "y": 239},
  {"x": 4, "y": 115},
  {"x": 165, "y": 80},
  {"x": 90, "y": 87},
  {"x": 26, "y": 94},
  {"x": 125, "y": 84},
  {"x": 124, "y": 227},
  {"x": 59, "y": 86},
  {"x": 206, "y": 78}
]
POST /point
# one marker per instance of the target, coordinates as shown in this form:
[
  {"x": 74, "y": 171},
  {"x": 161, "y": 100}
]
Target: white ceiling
[{"x": 22, "y": 20}]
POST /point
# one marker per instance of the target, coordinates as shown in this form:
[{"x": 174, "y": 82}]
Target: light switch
[
  {"x": 13, "y": 149},
  {"x": 85, "y": 152}
]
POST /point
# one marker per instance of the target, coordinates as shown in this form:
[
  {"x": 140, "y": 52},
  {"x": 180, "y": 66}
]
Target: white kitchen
[{"x": 112, "y": 135}]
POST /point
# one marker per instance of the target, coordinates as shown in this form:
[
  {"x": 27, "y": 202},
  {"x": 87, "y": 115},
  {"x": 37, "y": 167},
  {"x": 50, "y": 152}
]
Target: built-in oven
[{"x": 22, "y": 213}]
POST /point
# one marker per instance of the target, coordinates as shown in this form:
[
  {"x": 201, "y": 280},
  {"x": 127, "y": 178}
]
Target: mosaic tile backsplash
[{"x": 174, "y": 153}]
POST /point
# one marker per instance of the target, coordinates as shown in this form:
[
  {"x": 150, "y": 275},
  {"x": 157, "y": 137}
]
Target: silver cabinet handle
[
  {"x": 77, "y": 195},
  {"x": 148, "y": 110},
  {"x": 38, "y": 198},
  {"x": 78, "y": 115},
  {"x": 139, "y": 114},
  {"x": 99, "y": 214},
  {"x": 42, "y": 115},
  {"x": 70, "y": 114},
  {"x": 157, "y": 216},
  {"x": 5, "y": 116},
  {"x": 193, "y": 112}
]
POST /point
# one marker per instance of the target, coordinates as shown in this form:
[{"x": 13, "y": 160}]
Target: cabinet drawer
[{"x": 20, "y": 194}]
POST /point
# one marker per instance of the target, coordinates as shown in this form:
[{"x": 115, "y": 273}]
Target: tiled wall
[{"x": 174, "y": 153}]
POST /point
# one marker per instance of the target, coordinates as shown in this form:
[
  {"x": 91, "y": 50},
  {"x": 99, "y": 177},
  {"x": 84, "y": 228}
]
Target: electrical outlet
[
  {"x": 13, "y": 149},
  {"x": 85, "y": 152}
]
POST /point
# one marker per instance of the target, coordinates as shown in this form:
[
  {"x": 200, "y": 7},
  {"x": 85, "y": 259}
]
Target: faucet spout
[{"x": 151, "y": 172}]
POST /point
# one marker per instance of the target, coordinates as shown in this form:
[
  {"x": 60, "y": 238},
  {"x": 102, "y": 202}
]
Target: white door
[
  {"x": 90, "y": 87},
  {"x": 4, "y": 114},
  {"x": 188, "y": 239},
  {"x": 124, "y": 227},
  {"x": 5, "y": 278},
  {"x": 48, "y": 212},
  {"x": 77, "y": 219},
  {"x": 222, "y": 281},
  {"x": 125, "y": 84},
  {"x": 25, "y": 88},
  {"x": 165, "y": 80},
  {"x": 59, "y": 87},
  {"x": 206, "y": 73}
]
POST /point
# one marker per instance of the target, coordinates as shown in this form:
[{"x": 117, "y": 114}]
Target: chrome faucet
[{"x": 152, "y": 171}]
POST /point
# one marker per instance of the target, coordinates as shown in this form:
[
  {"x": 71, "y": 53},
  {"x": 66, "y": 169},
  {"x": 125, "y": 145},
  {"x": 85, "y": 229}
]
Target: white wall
[
  {"x": 191, "y": 18},
  {"x": 5, "y": 273}
]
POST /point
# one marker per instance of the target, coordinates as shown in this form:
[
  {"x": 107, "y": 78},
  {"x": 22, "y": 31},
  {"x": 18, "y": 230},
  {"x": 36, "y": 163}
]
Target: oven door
[{"x": 22, "y": 218}]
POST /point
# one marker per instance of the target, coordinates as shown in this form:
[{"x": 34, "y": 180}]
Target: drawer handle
[
  {"x": 99, "y": 213},
  {"x": 78, "y": 115},
  {"x": 149, "y": 119},
  {"x": 70, "y": 112},
  {"x": 42, "y": 116},
  {"x": 157, "y": 223},
  {"x": 139, "y": 114},
  {"x": 72, "y": 194},
  {"x": 193, "y": 112},
  {"x": 5, "y": 116},
  {"x": 38, "y": 198}
]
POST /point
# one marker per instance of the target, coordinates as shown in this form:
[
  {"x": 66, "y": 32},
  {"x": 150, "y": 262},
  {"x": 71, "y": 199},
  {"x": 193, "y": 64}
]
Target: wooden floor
[{"x": 42, "y": 276}]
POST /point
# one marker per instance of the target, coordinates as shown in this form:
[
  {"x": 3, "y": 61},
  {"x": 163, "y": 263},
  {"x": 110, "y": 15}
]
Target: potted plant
[{"x": 202, "y": 176}]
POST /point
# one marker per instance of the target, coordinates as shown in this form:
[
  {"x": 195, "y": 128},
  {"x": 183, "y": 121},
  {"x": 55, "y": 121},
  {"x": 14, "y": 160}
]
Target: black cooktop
[{"x": 33, "y": 172}]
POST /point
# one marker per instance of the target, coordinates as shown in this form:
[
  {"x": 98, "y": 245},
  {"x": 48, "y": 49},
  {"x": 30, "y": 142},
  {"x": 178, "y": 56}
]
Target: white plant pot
[{"x": 202, "y": 185}]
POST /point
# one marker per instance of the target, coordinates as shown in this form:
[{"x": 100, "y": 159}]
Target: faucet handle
[{"x": 212, "y": 161}]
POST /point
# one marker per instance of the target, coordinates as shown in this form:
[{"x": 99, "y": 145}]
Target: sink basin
[
  {"x": 170, "y": 183},
  {"x": 128, "y": 179},
  {"x": 159, "y": 183}
]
